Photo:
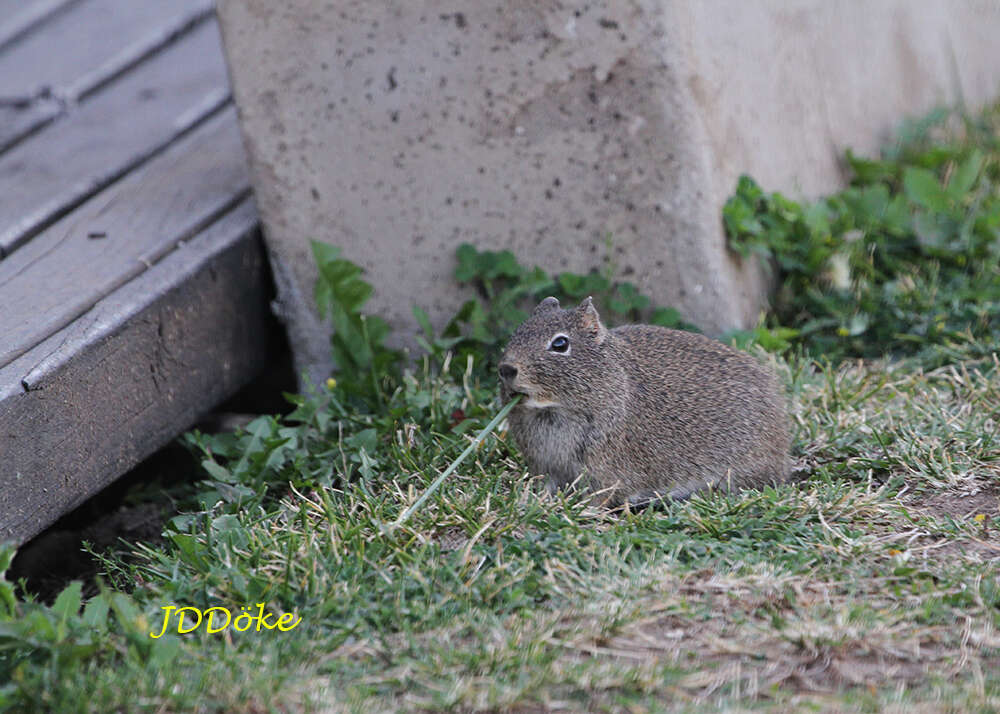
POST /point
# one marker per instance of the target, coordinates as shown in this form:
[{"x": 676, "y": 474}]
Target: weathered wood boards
[
  {"x": 45, "y": 176},
  {"x": 93, "y": 40},
  {"x": 119, "y": 233},
  {"x": 74, "y": 51},
  {"x": 139, "y": 368},
  {"x": 133, "y": 284},
  {"x": 19, "y": 17}
]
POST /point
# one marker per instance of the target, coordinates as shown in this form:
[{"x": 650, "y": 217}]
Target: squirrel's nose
[{"x": 507, "y": 372}]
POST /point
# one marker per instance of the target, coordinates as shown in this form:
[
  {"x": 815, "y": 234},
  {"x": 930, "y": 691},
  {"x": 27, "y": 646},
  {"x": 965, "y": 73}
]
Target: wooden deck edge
[{"x": 133, "y": 373}]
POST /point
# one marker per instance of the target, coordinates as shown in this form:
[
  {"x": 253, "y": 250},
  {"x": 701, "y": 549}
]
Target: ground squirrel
[{"x": 642, "y": 412}]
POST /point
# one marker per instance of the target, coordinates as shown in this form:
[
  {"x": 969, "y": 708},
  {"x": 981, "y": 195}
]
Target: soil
[{"x": 962, "y": 507}]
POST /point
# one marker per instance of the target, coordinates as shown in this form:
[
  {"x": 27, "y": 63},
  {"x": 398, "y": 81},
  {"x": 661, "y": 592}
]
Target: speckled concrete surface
[{"x": 399, "y": 130}]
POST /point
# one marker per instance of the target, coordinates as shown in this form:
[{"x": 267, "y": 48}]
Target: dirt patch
[
  {"x": 963, "y": 507},
  {"x": 981, "y": 508}
]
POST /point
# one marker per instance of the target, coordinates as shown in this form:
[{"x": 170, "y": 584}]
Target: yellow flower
[
  {"x": 893, "y": 551},
  {"x": 979, "y": 517},
  {"x": 843, "y": 331},
  {"x": 331, "y": 383}
]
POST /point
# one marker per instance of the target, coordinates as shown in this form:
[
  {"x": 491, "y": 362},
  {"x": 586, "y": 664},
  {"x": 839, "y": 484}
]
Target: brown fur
[{"x": 641, "y": 411}]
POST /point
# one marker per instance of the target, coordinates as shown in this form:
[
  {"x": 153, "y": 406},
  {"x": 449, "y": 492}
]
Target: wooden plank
[
  {"x": 116, "y": 235},
  {"x": 19, "y": 17},
  {"x": 141, "y": 367},
  {"x": 49, "y": 70},
  {"x": 24, "y": 113},
  {"x": 87, "y": 37},
  {"x": 148, "y": 44},
  {"x": 19, "y": 118},
  {"x": 44, "y": 177}
]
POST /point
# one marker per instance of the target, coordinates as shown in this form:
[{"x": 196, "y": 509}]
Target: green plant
[
  {"x": 357, "y": 341},
  {"x": 906, "y": 258},
  {"x": 507, "y": 291},
  {"x": 41, "y": 643}
]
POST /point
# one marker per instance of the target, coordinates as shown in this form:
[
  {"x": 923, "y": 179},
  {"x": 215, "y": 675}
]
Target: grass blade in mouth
[{"x": 454, "y": 464}]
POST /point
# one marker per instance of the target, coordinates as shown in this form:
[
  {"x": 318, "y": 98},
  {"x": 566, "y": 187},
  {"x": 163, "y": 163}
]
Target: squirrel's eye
[{"x": 560, "y": 343}]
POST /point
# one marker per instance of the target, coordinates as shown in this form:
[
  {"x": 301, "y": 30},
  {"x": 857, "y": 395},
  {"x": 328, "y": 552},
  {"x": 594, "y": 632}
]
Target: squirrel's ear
[
  {"x": 549, "y": 303},
  {"x": 590, "y": 321}
]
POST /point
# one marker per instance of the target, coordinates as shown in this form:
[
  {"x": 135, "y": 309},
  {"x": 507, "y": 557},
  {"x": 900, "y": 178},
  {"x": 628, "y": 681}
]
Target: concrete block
[{"x": 398, "y": 130}]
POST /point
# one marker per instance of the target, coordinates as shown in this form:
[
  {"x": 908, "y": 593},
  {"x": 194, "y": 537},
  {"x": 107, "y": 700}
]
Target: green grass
[
  {"x": 869, "y": 585},
  {"x": 872, "y": 583}
]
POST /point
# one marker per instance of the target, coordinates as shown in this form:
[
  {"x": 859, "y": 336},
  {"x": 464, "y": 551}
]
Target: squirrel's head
[{"x": 556, "y": 357}]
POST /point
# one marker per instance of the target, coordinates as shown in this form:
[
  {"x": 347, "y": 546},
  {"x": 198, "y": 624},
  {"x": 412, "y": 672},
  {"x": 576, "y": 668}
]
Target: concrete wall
[{"x": 398, "y": 130}]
